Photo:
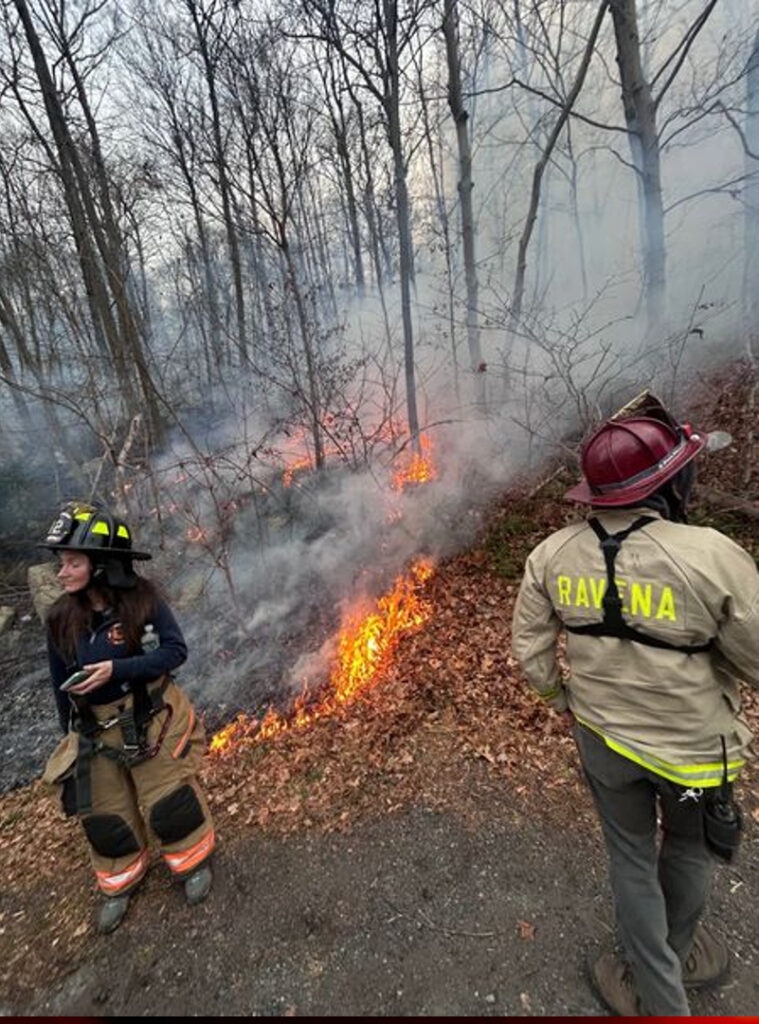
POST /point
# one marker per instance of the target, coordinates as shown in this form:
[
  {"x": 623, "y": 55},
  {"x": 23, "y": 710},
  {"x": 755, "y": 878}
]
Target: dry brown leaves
[
  {"x": 451, "y": 726},
  {"x": 451, "y": 714}
]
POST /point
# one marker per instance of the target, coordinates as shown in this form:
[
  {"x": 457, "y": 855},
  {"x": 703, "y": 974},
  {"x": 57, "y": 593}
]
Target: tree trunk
[
  {"x": 337, "y": 117},
  {"x": 545, "y": 156},
  {"x": 71, "y": 173},
  {"x": 9, "y": 322},
  {"x": 751, "y": 200},
  {"x": 465, "y": 187},
  {"x": 314, "y": 401},
  {"x": 220, "y": 161},
  {"x": 110, "y": 244},
  {"x": 405, "y": 243},
  {"x": 437, "y": 162},
  {"x": 640, "y": 117}
]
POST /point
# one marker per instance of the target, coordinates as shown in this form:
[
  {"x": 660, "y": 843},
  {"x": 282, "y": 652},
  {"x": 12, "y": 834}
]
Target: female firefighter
[
  {"x": 662, "y": 620},
  {"x": 133, "y": 741}
]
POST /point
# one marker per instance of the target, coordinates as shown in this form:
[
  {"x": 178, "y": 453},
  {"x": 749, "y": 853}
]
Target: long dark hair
[{"x": 72, "y": 614}]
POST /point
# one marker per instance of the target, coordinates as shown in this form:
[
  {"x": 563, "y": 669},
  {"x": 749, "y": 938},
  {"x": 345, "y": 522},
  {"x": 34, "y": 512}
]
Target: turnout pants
[
  {"x": 156, "y": 798},
  {"x": 660, "y": 877}
]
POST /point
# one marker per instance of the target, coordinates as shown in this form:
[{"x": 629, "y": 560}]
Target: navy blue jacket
[{"x": 106, "y": 643}]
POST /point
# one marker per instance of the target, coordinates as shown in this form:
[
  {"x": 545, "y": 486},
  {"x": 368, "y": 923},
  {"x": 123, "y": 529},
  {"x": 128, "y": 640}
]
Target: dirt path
[{"x": 413, "y": 915}]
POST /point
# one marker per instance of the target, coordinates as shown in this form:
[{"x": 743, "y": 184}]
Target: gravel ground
[{"x": 413, "y": 915}]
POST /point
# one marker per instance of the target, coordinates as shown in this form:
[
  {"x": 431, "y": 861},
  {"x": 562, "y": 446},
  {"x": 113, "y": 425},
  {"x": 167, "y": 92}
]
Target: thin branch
[
  {"x": 685, "y": 43},
  {"x": 734, "y": 193},
  {"x": 553, "y": 100}
]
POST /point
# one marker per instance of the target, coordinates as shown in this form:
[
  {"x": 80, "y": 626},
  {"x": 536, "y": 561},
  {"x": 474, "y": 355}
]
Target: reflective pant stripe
[
  {"x": 184, "y": 861},
  {"x": 185, "y": 735},
  {"x": 111, "y": 884}
]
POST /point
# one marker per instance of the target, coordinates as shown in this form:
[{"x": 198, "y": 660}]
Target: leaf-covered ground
[{"x": 449, "y": 727}]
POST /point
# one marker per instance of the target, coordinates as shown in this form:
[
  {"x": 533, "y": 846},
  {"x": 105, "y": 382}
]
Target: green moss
[{"x": 508, "y": 543}]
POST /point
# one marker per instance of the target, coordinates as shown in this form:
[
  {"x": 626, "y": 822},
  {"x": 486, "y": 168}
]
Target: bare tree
[
  {"x": 751, "y": 199},
  {"x": 161, "y": 82},
  {"x": 100, "y": 247},
  {"x": 641, "y": 102},
  {"x": 280, "y": 151},
  {"x": 640, "y": 115},
  {"x": 339, "y": 120},
  {"x": 465, "y": 186},
  {"x": 213, "y": 22},
  {"x": 374, "y": 43},
  {"x": 561, "y": 121}
]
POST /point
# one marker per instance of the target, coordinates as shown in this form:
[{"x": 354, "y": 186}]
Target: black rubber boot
[
  {"x": 112, "y": 912},
  {"x": 198, "y": 885}
]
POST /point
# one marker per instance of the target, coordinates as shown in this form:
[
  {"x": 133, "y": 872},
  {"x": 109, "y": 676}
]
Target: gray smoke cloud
[{"x": 262, "y": 614}]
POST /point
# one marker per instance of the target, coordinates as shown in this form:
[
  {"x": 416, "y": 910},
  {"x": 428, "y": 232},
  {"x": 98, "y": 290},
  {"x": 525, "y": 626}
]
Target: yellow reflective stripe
[
  {"x": 549, "y": 694},
  {"x": 704, "y": 775},
  {"x": 100, "y": 527},
  {"x": 122, "y": 532}
]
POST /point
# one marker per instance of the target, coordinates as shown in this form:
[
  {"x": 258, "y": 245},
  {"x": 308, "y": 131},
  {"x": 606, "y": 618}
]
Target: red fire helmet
[{"x": 626, "y": 460}]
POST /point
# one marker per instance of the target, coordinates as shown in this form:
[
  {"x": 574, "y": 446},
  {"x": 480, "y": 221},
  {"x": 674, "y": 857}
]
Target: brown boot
[
  {"x": 614, "y": 982},
  {"x": 708, "y": 962}
]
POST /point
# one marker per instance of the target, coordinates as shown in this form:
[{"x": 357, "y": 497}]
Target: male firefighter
[{"x": 661, "y": 621}]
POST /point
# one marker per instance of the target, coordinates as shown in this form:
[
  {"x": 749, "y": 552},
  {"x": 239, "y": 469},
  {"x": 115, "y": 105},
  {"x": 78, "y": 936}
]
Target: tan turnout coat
[{"x": 687, "y": 585}]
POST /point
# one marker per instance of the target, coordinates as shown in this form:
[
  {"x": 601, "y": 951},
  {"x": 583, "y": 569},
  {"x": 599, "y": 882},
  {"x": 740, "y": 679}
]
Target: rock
[
  {"x": 43, "y": 586},
  {"x": 7, "y": 615}
]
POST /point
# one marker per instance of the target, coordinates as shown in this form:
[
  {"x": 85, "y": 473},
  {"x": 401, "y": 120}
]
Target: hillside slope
[{"x": 428, "y": 849}]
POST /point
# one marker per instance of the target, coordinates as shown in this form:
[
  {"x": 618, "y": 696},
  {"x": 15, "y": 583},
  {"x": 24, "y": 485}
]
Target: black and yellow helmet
[{"x": 83, "y": 527}]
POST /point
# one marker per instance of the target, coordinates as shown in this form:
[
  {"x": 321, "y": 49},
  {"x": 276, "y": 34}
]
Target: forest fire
[
  {"x": 418, "y": 468},
  {"x": 414, "y": 467},
  {"x": 366, "y": 641},
  {"x": 293, "y": 467},
  {"x": 366, "y": 644}
]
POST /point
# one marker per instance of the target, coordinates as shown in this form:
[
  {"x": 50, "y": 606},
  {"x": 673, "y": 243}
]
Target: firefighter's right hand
[{"x": 98, "y": 673}]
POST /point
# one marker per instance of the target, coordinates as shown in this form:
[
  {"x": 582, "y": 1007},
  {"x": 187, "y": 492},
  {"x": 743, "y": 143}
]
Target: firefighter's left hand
[{"x": 99, "y": 674}]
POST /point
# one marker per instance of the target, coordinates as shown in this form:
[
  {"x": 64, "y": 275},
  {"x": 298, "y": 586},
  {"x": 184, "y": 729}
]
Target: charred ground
[{"x": 430, "y": 850}]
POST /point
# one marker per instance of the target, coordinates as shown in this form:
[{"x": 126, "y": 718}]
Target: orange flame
[
  {"x": 292, "y": 468},
  {"x": 366, "y": 645},
  {"x": 416, "y": 469}
]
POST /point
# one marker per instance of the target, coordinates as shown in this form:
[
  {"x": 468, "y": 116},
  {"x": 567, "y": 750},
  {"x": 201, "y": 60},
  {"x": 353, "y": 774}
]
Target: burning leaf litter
[{"x": 366, "y": 644}]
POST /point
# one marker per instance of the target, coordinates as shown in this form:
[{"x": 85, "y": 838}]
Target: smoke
[
  {"x": 262, "y": 555},
  {"x": 261, "y": 600}
]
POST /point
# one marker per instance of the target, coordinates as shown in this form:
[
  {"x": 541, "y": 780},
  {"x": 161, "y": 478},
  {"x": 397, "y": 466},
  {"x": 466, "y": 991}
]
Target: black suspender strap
[
  {"x": 613, "y": 623},
  {"x": 133, "y": 722},
  {"x": 610, "y": 545}
]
